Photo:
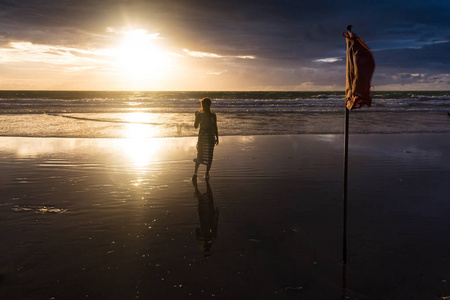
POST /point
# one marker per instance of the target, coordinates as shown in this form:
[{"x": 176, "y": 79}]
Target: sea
[{"x": 125, "y": 114}]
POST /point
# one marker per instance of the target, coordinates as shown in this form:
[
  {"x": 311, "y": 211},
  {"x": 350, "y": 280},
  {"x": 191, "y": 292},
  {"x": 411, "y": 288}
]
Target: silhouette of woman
[
  {"x": 208, "y": 218},
  {"x": 208, "y": 136}
]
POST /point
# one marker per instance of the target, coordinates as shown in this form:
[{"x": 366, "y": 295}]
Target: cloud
[
  {"x": 328, "y": 60},
  {"x": 47, "y": 54},
  {"x": 401, "y": 76},
  {"x": 198, "y": 54},
  {"x": 217, "y": 73},
  {"x": 434, "y": 58},
  {"x": 266, "y": 41}
]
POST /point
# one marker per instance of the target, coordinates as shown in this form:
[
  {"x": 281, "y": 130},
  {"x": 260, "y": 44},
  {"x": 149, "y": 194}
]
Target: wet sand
[{"x": 121, "y": 219}]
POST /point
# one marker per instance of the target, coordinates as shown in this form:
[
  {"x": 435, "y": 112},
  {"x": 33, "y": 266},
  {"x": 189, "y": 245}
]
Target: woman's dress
[{"x": 206, "y": 137}]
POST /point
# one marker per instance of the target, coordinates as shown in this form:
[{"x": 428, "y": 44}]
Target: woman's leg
[
  {"x": 196, "y": 160},
  {"x": 208, "y": 167},
  {"x": 211, "y": 142},
  {"x": 197, "y": 164}
]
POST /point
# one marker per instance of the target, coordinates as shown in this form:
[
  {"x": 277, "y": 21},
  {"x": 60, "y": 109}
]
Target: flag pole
[
  {"x": 348, "y": 87},
  {"x": 360, "y": 66},
  {"x": 344, "y": 236}
]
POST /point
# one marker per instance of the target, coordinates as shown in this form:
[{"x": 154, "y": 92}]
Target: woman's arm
[
  {"x": 197, "y": 120},
  {"x": 216, "y": 131}
]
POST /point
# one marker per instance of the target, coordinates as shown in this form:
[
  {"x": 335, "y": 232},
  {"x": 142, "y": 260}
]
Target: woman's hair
[{"x": 206, "y": 104}]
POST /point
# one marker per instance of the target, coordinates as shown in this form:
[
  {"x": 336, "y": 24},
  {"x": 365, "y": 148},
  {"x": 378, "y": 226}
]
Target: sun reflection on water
[{"x": 139, "y": 143}]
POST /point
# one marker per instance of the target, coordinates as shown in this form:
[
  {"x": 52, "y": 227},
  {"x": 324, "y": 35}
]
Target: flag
[{"x": 360, "y": 67}]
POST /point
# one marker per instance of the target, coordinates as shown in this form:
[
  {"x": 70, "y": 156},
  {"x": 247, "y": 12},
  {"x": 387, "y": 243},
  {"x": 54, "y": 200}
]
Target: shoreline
[
  {"x": 238, "y": 135},
  {"x": 153, "y": 125}
]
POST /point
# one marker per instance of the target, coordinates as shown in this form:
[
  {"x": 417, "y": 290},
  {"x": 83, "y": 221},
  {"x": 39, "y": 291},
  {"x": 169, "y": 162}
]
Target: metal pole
[
  {"x": 344, "y": 282},
  {"x": 344, "y": 237}
]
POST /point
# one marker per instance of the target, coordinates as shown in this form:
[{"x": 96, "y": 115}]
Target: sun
[{"x": 140, "y": 58}]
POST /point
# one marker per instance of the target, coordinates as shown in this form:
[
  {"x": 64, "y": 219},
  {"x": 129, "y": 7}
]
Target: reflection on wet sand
[
  {"x": 140, "y": 146},
  {"x": 141, "y": 151},
  {"x": 208, "y": 216},
  {"x": 117, "y": 219}
]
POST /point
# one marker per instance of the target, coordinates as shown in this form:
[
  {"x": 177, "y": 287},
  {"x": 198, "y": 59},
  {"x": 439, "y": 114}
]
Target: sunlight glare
[
  {"x": 138, "y": 143},
  {"x": 140, "y": 58}
]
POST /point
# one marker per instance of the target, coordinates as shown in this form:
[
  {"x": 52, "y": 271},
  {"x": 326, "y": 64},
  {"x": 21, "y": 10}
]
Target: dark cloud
[
  {"x": 406, "y": 36},
  {"x": 427, "y": 58}
]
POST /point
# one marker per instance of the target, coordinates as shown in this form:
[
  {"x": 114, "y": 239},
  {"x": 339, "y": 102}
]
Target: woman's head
[{"x": 206, "y": 104}]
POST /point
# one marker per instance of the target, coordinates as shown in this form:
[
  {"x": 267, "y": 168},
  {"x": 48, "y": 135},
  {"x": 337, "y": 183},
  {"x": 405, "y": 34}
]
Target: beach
[
  {"x": 121, "y": 219},
  {"x": 109, "y": 108}
]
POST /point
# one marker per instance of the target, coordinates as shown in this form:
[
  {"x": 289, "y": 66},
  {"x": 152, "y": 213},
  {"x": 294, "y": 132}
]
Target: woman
[{"x": 208, "y": 136}]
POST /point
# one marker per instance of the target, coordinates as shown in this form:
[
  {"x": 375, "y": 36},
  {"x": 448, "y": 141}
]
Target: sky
[{"x": 219, "y": 44}]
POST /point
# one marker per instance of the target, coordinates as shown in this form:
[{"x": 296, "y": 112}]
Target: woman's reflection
[{"x": 208, "y": 217}]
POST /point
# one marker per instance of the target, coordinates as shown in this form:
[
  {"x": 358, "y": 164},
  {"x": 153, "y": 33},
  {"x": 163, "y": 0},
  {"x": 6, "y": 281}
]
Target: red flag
[{"x": 360, "y": 67}]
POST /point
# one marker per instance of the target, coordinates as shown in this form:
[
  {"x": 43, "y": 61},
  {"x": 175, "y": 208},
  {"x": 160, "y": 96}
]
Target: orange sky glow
[
  {"x": 134, "y": 60},
  {"x": 190, "y": 45}
]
